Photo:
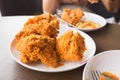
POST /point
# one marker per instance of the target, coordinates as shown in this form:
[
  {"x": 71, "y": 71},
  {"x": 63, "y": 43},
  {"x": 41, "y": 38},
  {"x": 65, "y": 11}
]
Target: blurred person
[
  {"x": 20, "y": 7},
  {"x": 52, "y": 5},
  {"x": 105, "y": 8}
]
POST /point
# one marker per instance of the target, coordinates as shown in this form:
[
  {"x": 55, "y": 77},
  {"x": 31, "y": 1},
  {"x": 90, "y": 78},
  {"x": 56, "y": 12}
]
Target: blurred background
[{"x": 35, "y": 7}]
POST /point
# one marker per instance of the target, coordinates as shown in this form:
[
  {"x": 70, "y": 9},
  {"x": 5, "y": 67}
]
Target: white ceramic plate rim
[
  {"x": 68, "y": 65},
  {"x": 95, "y": 57},
  {"x": 89, "y": 16}
]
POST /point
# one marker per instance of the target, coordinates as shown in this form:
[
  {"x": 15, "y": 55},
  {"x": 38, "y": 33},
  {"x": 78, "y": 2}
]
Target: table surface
[{"x": 107, "y": 38}]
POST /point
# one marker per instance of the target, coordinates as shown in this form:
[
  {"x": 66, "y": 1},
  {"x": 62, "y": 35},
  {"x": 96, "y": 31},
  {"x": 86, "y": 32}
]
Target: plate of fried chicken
[{"x": 45, "y": 44}]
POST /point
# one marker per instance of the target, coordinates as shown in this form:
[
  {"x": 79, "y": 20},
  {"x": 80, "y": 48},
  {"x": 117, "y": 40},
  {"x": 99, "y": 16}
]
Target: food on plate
[
  {"x": 71, "y": 46},
  {"x": 44, "y": 24},
  {"x": 72, "y": 16},
  {"x": 23, "y": 33},
  {"x": 76, "y": 18},
  {"x": 87, "y": 24},
  {"x": 35, "y": 48},
  {"x": 109, "y": 76},
  {"x": 38, "y": 42}
]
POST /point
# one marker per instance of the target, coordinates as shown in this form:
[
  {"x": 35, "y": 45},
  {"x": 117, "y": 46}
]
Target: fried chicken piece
[
  {"x": 35, "y": 47},
  {"x": 71, "y": 46},
  {"x": 72, "y": 16},
  {"x": 24, "y": 33},
  {"x": 44, "y": 24}
]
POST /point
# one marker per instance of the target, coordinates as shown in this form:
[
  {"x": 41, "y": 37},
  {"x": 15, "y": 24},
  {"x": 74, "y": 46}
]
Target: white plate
[
  {"x": 90, "y": 45},
  {"x": 104, "y": 61},
  {"x": 88, "y": 16}
]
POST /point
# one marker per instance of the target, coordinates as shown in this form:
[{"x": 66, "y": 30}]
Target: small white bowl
[{"x": 105, "y": 61}]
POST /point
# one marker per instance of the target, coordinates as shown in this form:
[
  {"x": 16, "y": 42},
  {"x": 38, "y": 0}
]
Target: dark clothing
[
  {"x": 20, "y": 7},
  {"x": 99, "y": 8}
]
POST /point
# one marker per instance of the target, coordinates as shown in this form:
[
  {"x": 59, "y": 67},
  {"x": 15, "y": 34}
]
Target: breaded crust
[
  {"x": 71, "y": 46},
  {"x": 44, "y": 24},
  {"x": 23, "y": 33},
  {"x": 35, "y": 48},
  {"x": 72, "y": 16}
]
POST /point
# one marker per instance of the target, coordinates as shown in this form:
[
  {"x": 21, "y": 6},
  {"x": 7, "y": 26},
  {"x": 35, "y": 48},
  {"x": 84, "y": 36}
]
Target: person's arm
[
  {"x": 93, "y": 1},
  {"x": 111, "y": 5},
  {"x": 75, "y": 2},
  {"x": 50, "y": 5}
]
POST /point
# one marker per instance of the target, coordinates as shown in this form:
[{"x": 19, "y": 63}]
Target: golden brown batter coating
[
  {"x": 72, "y": 16},
  {"x": 71, "y": 46},
  {"x": 44, "y": 24},
  {"x": 35, "y": 47},
  {"x": 24, "y": 33},
  {"x": 37, "y": 42}
]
